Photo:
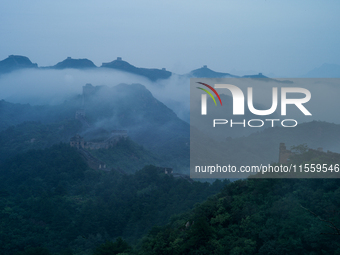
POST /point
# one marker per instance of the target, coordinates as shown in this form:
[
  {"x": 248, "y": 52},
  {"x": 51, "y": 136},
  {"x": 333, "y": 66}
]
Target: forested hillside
[
  {"x": 259, "y": 216},
  {"x": 51, "y": 201}
]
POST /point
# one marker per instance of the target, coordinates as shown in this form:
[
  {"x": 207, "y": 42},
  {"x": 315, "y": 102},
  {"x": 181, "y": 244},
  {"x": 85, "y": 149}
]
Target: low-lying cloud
[{"x": 47, "y": 86}]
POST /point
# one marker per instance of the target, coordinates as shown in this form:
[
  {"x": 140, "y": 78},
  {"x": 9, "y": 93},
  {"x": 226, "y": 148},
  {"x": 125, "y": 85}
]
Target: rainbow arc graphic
[{"x": 209, "y": 93}]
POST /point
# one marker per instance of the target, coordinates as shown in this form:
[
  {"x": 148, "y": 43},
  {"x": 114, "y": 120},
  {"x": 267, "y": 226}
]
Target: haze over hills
[
  {"x": 15, "y": 62},
  {"x": 130, "y": 107},
  {"x": 149, "y": 123},
  {"x": 325, "y": 71},
  {"x": 50, "y": 197}
]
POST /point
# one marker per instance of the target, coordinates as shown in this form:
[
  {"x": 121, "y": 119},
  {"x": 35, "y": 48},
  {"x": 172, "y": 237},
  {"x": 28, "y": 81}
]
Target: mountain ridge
[
  {"x": 17, "y": 62},
  {"x": 152, "y": 74},
  {"x": 205, "y": 72},
  {"x": 74, "y": 63}
]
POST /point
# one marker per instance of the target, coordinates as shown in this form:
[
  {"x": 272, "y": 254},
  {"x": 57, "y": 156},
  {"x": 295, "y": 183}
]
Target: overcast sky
[{"x": 285, "y": 38}]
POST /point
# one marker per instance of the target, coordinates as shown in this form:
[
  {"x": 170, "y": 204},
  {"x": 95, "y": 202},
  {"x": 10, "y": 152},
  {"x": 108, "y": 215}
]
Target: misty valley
[{"x": 104, "y": 169}]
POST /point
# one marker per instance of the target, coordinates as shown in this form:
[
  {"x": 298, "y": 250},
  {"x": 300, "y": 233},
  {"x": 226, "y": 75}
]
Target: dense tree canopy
[{"x": 51, "y": 199}]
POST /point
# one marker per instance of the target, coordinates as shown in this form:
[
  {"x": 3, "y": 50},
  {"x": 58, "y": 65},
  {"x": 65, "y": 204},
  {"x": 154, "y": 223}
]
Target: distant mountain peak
[
  {"x": 152, "y": 74},
  {"x": 205, "y": 72},
  {"x": 75, "y": 63},
  {"x": 15, "y": 62},
  {"x": 259, "y": 75},
  {"x": 119, "y": 63}
]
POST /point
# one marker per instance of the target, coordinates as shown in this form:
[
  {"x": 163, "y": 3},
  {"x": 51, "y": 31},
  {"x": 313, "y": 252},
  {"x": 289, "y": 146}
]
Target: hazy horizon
[{"x": 285, "y": 39}]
